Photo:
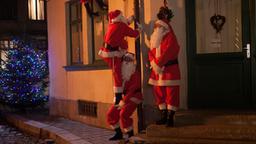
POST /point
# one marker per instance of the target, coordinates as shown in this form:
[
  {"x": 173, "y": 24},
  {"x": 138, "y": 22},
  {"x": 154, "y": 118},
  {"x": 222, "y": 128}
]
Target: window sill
[{"x": 88, "y": 67}]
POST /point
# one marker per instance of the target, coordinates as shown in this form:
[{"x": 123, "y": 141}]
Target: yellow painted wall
[
  {"x": 57, "y": 48},
  {"x": 90, "y": 85}
]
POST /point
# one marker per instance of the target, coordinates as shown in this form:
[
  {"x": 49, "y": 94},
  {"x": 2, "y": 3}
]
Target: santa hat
[
  {"x": 115, "y": 16},
  {"x": 83, "y": 1}
]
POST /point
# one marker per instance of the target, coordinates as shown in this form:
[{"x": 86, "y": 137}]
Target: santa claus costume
[
  {"x": 165, "y": 75},
  {"x": 115, "y": 47},
  {"x": 128, "y": 104}
]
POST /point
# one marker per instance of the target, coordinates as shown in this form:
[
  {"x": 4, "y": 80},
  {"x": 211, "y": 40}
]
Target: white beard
[
  {"x": 124, "y": 20},
  {"x": 157, "y": 36},
  {"x": 128, "y": 68}
]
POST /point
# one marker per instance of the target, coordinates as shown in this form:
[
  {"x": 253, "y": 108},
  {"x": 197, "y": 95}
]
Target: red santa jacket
[
  {"x": 115, "y": 37},
  {"x": 132, "y": 89},
  {"x": 163, "y": 56}
]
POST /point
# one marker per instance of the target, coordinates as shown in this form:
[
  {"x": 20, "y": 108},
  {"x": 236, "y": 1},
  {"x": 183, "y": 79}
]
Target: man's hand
[
  {"x": 121, "y": 104},
  {"x": 130, "y": 19},
  {"x": 139, "y": 27}
]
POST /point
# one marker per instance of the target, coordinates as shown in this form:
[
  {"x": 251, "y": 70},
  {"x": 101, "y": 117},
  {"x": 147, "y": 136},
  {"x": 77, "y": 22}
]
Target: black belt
[
  {"x": 171, "y": 62},
  {"x": 110, "y": 48}
]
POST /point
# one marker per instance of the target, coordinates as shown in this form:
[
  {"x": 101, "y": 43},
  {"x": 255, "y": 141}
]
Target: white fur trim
[
  {"x": 128, "y": 129},
  {"x": 170, "y": 107},
  {"x": 162, "y": 106},
  {"x": 118, "y": 18},
  {"x": 135, "y": 100},
  {"x": 118, "y": 89},
  {"x": 115, "y": 126},
  {"x": 111, "y": 54},
  {"x": 156, "y": 68},
  {"x": 161, "y": 82}
]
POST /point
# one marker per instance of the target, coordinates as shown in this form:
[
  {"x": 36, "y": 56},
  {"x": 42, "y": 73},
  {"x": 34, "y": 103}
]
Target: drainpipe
[{"x": 138, "y": 59}]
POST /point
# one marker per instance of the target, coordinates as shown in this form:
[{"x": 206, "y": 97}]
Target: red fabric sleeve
[{"x": 130, "y": 32}]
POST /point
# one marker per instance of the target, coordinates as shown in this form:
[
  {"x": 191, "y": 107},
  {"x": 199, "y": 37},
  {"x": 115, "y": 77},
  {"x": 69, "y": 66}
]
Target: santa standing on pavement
[
  {"x": 132, "y": 97},
  {"x": 115, "y": 47},
  {"x": 165, "y": 75}
]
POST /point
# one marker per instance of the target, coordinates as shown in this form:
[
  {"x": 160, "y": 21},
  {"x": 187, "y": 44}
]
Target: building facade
[
  {"x": 22, "y": 18},
  {"x": 217, "y": 71}
]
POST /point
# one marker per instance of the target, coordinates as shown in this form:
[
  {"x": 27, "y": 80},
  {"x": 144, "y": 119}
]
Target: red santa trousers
[
  {"x": 124, "y": 115},
  {"x": 167, "y": 96},
  {"x": 115, "y": 64}
]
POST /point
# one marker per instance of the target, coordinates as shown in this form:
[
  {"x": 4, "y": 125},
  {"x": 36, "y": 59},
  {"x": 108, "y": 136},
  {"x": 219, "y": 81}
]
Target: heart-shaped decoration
[{"x": 217, "y": 22}]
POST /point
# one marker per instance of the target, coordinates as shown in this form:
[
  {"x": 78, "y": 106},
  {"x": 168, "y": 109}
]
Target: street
[{"x": 11, "y": 135}]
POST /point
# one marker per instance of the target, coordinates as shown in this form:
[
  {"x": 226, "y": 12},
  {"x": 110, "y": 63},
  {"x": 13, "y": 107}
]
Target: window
[
  {"x": 75, "y": 32},
  {"x": 99, "y": 27},
  {"x": 36, "y": 9},
  {"x": 8, "y": 9},
  {"x": 5, "y": 45},
  {"x": 97, "y": 11},
  {"x": 213, "y": 13}
]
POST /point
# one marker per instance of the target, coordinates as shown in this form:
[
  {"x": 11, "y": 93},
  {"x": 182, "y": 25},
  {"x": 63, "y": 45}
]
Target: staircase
[{"x": 204, "y": 127}]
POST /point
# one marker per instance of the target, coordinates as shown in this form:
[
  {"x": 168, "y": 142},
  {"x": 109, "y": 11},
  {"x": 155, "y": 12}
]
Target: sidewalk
[{"x": 61, "y": 130}]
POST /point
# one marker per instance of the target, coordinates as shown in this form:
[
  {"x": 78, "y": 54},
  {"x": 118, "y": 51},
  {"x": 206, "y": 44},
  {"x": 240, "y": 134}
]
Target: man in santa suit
[
  {"x": 115, "y": 47},
  {"x": 132, "y": 97},
  {"x": 165, "y": 75}
]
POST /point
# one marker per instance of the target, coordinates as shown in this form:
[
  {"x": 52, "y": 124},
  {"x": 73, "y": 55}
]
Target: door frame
[
  {"x": 248, "y": 25},
  {"x": 253, "y": 49}
]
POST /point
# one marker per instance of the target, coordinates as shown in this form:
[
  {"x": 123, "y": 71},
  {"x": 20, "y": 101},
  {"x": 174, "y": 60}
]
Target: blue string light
[{"x": 24, "y": 76}]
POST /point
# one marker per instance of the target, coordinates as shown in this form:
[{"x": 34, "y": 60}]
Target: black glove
[{"x": 118, "y": 98}]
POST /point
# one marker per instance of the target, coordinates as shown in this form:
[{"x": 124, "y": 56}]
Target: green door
[{"x": 220, "y": 59}]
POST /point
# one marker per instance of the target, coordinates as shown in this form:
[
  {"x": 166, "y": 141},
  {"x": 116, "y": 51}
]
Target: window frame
[{"x": 92, "y": 63}]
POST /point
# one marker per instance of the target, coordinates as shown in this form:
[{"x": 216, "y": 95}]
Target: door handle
[{"x": 248, "y": 51}]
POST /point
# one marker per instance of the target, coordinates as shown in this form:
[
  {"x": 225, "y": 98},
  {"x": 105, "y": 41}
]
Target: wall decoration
[{"x": 217, "y": 20}]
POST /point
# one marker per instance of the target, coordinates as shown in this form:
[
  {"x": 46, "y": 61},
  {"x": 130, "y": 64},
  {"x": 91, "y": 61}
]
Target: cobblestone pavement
[{"x": 11, "y": 135}]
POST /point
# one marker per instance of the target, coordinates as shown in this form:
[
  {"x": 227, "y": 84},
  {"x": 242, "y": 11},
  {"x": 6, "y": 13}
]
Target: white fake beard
[
  {"x": 124, "y": 20},
  {"x": 128, "y": 68},
  {"x": 156, "y": 38}
]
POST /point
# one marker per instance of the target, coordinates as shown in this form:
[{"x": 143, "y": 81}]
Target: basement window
[{"x": 87, "y": 108}]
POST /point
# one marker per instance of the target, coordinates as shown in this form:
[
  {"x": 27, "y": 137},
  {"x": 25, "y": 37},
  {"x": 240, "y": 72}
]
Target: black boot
[
  {"x": 130, "y": 133},
  {"x": 163, "y": 118},
  {"x": 118, "y": 135},
  {"x": 118, "y": 98},
  {"x": 170, "y": 118}
]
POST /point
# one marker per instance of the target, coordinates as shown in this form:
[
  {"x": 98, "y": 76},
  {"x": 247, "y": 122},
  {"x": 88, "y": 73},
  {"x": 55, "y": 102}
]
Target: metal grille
[{"x": 87, "y": 108}]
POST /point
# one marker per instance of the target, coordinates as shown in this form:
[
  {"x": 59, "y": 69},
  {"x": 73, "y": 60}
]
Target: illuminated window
[
  {"x": 36, "y": 9},
  {"x": 75, "y": 32},
  {"x": 5, "y": 45},
  {"x": 94, "y": 35}
]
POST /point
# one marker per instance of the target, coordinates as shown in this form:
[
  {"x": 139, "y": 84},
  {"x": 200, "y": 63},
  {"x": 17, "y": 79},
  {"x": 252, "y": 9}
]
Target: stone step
[
  {"x": 143, "y": 139},
  {"x": 184, "y": 118},
  {"x": 204, "y": 126},
  {"x": 217, "y": 132}
]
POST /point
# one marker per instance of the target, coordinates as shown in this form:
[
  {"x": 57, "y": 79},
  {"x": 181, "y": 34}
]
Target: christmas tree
[{"x": 24, "y": 76}]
